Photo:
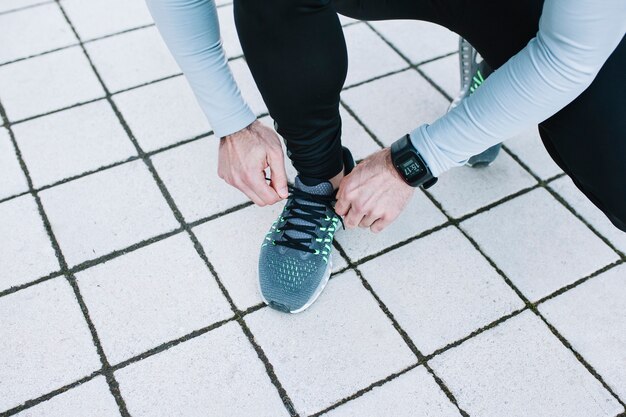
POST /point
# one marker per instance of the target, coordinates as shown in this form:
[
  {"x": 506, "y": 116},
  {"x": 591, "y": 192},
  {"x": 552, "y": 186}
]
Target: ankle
[{"x": 337, "y": 179}]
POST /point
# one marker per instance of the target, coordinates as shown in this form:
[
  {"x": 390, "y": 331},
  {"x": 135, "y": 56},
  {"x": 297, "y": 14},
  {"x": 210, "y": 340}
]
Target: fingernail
[{"x": 283, "y": 192}]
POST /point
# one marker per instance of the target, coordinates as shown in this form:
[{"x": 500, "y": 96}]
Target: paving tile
[
  {"x": 249, "y": 90},
  {"x": 208, "y": 375},
  {"x": 341, "y": 344},
  {"x": 190, "y": 175},
  {"x": 445, "y": 73},
  {"x": 92, "y": 398},
  {"x": 368, "y": 55},
  {"x": 413, "y": 394},
  {"x": 32, "y": 31},
  {"x": 418, "y": 41},
  {"x": 579, "y": 202},
  {"x": 464, "y": 190},
  {"x": 529, "y": 148},
  {"x": 345, "y": 20},
  {"x": 13, "y": 179},
  {"x": 552, "y": 248},
  {"x": 132, "y": 58},
  {"x": 26, "y": 253},
  {"x": 162, "y": 113},
  {"x": 103, "y": 17},
  {"x": 165, "y": 284},
  {"x": 228, "y": 31},
  {"x": 419, "y": 216},
  {"x": 71, "y": 142},
  {"x": 107, "y": 211},
  {"x": 9, "y": 5},
  {"x": 520, "y": 369},
  {"x": 593, "y": 319},
  {"x": 46, "y": 343},
  {"x": 440, "y": 299},
  {"x": 393, "y": 106},
  {"x": 48, "y": 82},
  {"x": 243, "y": 230}
]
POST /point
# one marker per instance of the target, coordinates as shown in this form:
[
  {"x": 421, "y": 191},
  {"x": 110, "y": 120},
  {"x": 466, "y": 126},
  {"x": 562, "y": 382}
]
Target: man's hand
[
  {"x": 373, "y": 195},
  {"x": 243, "y": 158}
]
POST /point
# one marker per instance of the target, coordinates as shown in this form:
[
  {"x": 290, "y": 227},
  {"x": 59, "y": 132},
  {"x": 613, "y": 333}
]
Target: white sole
[{"x": 316, "y": 294}]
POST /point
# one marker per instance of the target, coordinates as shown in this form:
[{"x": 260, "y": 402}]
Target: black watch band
[{"x": 410, "y": 164}]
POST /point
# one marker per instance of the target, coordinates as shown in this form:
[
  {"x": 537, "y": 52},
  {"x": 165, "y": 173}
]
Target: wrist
[{"x": 241, "y": 132}]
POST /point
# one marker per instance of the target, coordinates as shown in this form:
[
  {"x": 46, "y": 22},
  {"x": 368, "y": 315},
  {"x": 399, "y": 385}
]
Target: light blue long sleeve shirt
[
  {"x": 191, "y": 32},
  {"x": 575, "y": 38}
]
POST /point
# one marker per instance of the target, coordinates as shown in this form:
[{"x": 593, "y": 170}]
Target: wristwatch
[{"x": 410, "y": 164}]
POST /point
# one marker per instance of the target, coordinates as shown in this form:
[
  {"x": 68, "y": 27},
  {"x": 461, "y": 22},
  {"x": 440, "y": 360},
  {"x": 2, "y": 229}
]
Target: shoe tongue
[
  {"x": 311, "y": 187},
  {"x": 320, "y": 188}
]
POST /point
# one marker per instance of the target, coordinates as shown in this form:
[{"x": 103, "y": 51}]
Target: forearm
[
  {"x": 190, "y": 30},
  {"x": 574, "y": 40}
]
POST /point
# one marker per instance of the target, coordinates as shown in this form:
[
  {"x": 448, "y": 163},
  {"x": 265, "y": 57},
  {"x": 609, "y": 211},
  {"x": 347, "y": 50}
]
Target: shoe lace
[{"x": 312, "y": 214}]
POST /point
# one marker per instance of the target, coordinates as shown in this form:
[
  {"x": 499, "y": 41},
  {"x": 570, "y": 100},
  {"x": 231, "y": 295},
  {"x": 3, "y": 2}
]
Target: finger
[
  {"x": 249, "y": 192},
  {"x": 353, "y": 218},
  {"x": 276, "y": 162},
  {"x": 368, "y": 220},
  {"x": 262, "y": 189},
  {"x": 380, "y": 224},
  {"x": 341, "y": 206}
]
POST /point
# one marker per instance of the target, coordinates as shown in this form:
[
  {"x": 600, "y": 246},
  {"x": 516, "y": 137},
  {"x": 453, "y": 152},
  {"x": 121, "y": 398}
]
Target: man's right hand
[{"x": 243, "y": 158}]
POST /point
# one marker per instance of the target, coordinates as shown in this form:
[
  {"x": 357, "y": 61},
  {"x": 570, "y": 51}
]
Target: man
[{"x": 562, "y": 71}]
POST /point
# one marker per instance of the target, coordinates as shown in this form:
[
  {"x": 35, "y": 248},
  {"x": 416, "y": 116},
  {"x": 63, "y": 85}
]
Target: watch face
[{"x": 412, "y": 169}]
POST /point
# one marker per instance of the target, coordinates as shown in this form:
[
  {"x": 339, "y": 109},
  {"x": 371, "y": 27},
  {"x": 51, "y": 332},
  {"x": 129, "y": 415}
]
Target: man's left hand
[{"x": 373, "y": 195}]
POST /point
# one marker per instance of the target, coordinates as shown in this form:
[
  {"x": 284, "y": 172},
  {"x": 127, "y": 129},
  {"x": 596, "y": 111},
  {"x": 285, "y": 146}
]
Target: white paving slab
[
  {"x": 592, "y": 318},
  {"x": 418, "y": 216},
  {"x": 92, "y": 398},
  {"x": 26, "y": 252},
  {"x": 132, "y": 58},
  {"x": 228, "y": 31},
  {"x": 368, "y": 55},
  {"x": 418, "y": 41},
  {"x": 538, "y": 243},
  {"x": 583, "y": 206},
  {"x": 165, "y": 284},
  {"x": 32, "y": 31},
  {"x": 441, "y": 289},
  {"x": 46, "y": 83},
  {"x": 190, "y": 174},
  {"x": 412, "y": 394},
  {"x": 103, "y": 17},
  {"x": 529, "y": 148},
  {"x": 242, "y": 233},
  {"x": 393, "y": 106},
  {"x": 341, "y": 344},
  {"x": 464, "y": 190},
  {"x": 445, "y": 73},
  {"x": 162, "y": 113},
  {"x": 9, "y": 5},
  {"x": 13, "y": 179},
  {"x": 45, "y": 342},
  {"x": 216, "y": 374},
  {"x": 72, "y": 142},
  {"x": 520, "y": 369},
  {"x": 107, "y": 211}
]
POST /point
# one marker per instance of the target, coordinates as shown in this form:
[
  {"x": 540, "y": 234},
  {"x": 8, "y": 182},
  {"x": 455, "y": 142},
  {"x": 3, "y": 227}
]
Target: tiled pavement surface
[{"x": 127, "y": 268}]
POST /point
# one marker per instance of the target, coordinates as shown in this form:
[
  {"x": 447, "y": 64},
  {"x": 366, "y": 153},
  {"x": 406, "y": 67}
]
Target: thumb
[{"x": 278, "y": 175}]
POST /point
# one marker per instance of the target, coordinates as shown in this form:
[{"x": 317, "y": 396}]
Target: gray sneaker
[
  {"x": 295, "y": 260},
  {"x": 474, "y": 70}
]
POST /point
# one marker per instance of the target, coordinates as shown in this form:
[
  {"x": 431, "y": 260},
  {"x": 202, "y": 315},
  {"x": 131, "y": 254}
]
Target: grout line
[
  {"x": 17, "y": 288},
  {"x": 31, "y": 403}
]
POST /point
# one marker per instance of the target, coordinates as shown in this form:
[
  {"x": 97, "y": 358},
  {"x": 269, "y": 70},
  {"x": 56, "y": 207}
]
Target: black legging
[{"x": 297, "y": 54}]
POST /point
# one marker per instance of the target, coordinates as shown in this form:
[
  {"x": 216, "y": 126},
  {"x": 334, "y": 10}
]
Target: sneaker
[
  {"x": 474, "y": 71},
  {"x": 295, "y": 260}
]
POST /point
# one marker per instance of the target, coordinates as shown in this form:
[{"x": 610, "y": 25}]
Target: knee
[{"x": 348, "y": 8}]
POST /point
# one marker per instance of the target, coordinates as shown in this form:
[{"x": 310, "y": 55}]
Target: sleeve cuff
[
  {"x": 233, "y": 123},
  {"x": 438, "y": 161}
]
